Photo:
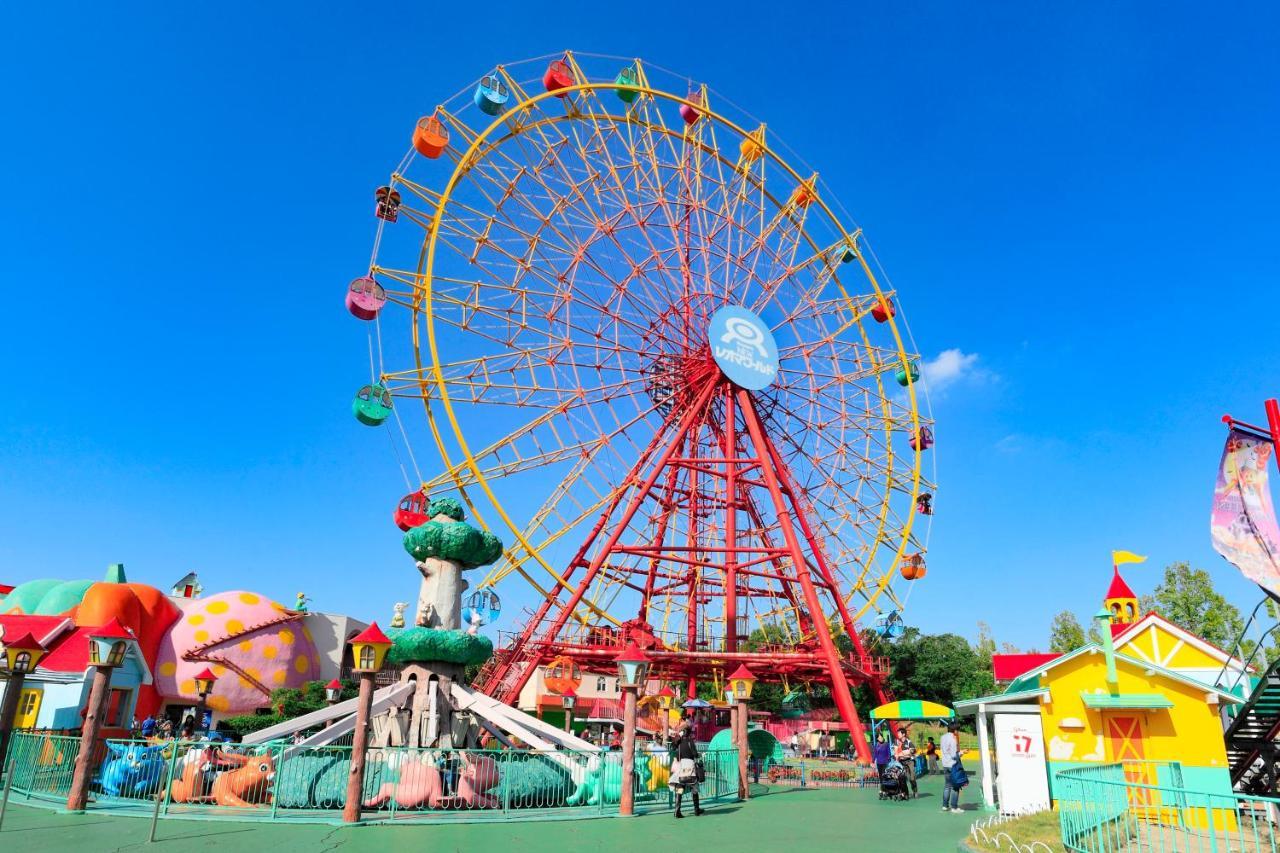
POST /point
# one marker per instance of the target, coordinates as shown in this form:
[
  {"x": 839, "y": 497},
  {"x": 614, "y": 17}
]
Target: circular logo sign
[{"x": 743, "y": 347}]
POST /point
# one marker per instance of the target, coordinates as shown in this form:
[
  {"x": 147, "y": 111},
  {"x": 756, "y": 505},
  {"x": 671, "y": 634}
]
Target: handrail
[{"x": 1235, "y": 647}]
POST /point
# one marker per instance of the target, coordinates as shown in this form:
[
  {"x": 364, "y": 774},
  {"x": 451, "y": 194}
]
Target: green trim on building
[{"x": 1149, "y": 701}]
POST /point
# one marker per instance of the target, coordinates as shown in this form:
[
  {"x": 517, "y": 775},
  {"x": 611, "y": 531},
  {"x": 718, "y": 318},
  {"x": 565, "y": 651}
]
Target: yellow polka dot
[
  {"x": 270, "y": 652},
  {"x": 306, "y": 632},
  {"x": 246, "y": 645},
  {"x": 234, "y": 626},
  {"x": 195, "y": 619},
  {"x": 217, "y": 607},
  {"x": 279, "y": 676},
  {"x": 188, "y": 687},
  {"x": 219, "y": 703},
  {"x": 252, "y": 674},
  {"x": 286, "y": 637},
  {"x": 249, "y": 598},
  {"x": 201, "y": 636},
  {"x": 275, "y": 605},
  {"x": 168, "y": 668},
  {"x": 301, "y": 664},
  {"x": 219, "y": 670}
]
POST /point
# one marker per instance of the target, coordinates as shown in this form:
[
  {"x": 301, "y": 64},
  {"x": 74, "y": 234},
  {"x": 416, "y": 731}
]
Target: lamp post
[
  {"x": 368, "y": 652},
  {"x": 633, "y": 669},
  {"x": 108, "y": 647},
  {"x": 204, "y": 686},
  {"x": 666, "y": 698},
  {"x": 332, "y": 693},
  {"x": 17, "y": 657},
  {"x": 567, "y": 699},
  {"x": 742, "y": 682}
]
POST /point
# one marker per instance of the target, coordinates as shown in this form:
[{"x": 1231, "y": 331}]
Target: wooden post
[
  {"x": 740, "y": 738},
  {"x": 359, "y": 746},
  {"x": 626, "y": 807},
  {"x": 9, "y": 711},
  {"x": 89, "y": 738}
]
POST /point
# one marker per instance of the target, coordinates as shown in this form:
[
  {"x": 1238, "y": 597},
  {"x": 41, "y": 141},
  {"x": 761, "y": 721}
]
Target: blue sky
[{"x": 1078, "y": 204}]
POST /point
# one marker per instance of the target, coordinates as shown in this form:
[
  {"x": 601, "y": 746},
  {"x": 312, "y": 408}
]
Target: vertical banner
[{"x": 1243, "y": 524}]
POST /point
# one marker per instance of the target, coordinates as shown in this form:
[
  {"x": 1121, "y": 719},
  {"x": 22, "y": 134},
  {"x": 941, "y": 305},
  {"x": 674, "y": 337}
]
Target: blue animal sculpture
[{"x": 132, "y": 770}]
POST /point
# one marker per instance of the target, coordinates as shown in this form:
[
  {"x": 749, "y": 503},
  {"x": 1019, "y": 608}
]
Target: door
[
  {"x": 28, "y": 708},
  {"x": 1126, "y": 738}
]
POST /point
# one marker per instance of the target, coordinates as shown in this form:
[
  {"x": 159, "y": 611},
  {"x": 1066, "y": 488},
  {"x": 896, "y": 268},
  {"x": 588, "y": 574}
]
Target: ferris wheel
[{"x": 649, "y": 352}]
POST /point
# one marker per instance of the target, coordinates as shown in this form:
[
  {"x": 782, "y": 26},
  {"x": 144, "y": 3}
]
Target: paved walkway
[{"x": 784, "y": 819}]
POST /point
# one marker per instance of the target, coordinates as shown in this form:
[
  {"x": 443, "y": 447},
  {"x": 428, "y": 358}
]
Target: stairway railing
[{"x": 1230, "y": 681}]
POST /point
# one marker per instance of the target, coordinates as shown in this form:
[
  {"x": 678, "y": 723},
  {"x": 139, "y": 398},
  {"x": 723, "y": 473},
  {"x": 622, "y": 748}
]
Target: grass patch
[{"x": 1042, "y": 827}]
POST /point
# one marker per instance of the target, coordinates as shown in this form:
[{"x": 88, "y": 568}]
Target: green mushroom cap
[{"x": 452, "y": 540}]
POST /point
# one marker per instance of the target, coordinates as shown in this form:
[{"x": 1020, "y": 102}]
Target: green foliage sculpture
[{"x": 443, "y": 547}]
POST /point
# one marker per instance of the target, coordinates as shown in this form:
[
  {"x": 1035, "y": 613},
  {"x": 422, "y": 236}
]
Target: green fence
[
  {"x": 282, "y": 782},
  {"x": 1142, "y": 806}
]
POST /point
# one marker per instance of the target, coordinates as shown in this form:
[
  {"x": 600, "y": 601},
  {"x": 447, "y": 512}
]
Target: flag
[{"x": 1121, "y": 557}]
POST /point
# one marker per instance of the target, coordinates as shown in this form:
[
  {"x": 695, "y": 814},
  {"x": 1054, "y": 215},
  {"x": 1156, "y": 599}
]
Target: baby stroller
[{"x": 893, "y": 784}]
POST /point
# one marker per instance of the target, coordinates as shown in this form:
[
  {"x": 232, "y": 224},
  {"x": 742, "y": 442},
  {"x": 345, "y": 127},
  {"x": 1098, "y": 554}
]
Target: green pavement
[{"x": 791, "y": 820}]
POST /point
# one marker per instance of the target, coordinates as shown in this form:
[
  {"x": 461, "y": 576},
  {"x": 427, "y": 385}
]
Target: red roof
[
  {"x": 372, "y": 634},
  {"x": 22, "y": 641},
  {"x": 1118, "y": 588},
  {"x": 1009, "y": 667},
  {"x": 113, "y": 630},
  {"x": 70, "y": 654},
  {"x": 44, "y": 628},
  {"x": 333, "y": 685},
  {"x": 5, "y": 589}
]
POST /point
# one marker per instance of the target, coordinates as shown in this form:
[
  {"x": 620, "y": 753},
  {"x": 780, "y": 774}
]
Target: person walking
[
  {"x": 795, "y": 744},
  {"x": 880, "y": 754},
  {"x": 950, "y": 757},
  {"x": 931, "y": 753},
  {"x": 684, "y": 766},
  {"x": 906, "y": 753}
]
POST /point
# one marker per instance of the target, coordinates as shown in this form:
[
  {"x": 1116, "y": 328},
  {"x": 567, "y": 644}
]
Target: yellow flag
[{"x": 1120, "y": 557}]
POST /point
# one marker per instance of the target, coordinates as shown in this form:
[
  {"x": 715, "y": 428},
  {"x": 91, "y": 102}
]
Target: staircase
[{"x": 1252, "y": 732}]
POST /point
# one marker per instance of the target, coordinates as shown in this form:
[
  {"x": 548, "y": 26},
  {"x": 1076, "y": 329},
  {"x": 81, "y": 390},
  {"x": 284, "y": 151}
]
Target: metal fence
[
  {"x": 1143, "y": 806},
  {"x": 802, "y": 775},
  {"x": 284, "y": 782}
]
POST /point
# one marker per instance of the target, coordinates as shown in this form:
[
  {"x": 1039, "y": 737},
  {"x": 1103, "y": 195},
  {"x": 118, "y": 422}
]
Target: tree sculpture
[{"x": 444, "y": 547}]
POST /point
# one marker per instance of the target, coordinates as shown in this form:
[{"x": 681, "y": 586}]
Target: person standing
[
  {"x": 906, "y": 753},
  {"x": 795, "y": 744},
  {"x": 881, "y": 754},
  {"x": 684, "y": 767},
  {"x": 931, "y": 754},
  {"x": 950, "y": 756}
]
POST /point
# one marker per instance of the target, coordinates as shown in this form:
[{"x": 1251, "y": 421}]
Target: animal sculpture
[
  {"x": 597, "y": 785},
  {"x": 198, "y": 767},
  {"x": 249, "y": 785},
  {"x": 479, "y": 774},
  {"x": 133, "y": 770},
  {"x": 419, "y": 785}
]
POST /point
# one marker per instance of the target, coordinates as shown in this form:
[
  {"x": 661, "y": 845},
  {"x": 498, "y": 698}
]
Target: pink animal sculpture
[
  {"x": 479, "y": 774},
  {"x": 420, "y": 785}
]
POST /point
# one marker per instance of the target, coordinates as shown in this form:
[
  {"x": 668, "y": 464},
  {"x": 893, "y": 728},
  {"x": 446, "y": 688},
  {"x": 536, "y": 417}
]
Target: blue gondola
[
  {"x": 492, "y": 95},
  {"x": 889, "y": 625},
  {"x": 482, "y": 607}
]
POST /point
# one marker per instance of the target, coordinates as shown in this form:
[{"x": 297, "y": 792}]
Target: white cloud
[{"x": 950, "y": 367}]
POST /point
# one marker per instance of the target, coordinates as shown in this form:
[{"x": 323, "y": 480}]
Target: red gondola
[
  {"x": 558, "y": 76},
  {"x": 412, "y": 511}
]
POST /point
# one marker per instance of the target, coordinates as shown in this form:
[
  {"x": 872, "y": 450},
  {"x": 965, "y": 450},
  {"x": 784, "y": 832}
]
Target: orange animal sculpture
[
  {"x": 419, "y": 785},
  {"x": 248, "y": 785},
  {"x": 193, "y": 785}
]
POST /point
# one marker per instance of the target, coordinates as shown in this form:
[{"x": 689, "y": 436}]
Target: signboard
[
  {"x": 743, "y": 347},
  {"x": 1243, "y": 523},
  {"x": 1022, "y": 781}
]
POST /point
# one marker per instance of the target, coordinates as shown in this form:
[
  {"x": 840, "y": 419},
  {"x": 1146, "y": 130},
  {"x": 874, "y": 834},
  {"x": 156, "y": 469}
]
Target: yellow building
[{"x": 1146, "y": 695}]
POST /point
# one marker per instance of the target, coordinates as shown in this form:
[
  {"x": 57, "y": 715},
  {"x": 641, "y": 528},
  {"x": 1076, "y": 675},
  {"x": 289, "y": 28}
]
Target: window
[
  {"x": 600, "y": 684},
  {"x": 616, "y": 686},
  {"x": 22, "y": 662},
  {"x": 367, "y": 657}
]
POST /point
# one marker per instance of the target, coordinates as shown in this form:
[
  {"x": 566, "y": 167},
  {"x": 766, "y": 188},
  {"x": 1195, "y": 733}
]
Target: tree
[
  {"x": 286, "y": 703},
  {"x": 1065, "y": 633},
  {"x": 1186, "y": 598}
]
